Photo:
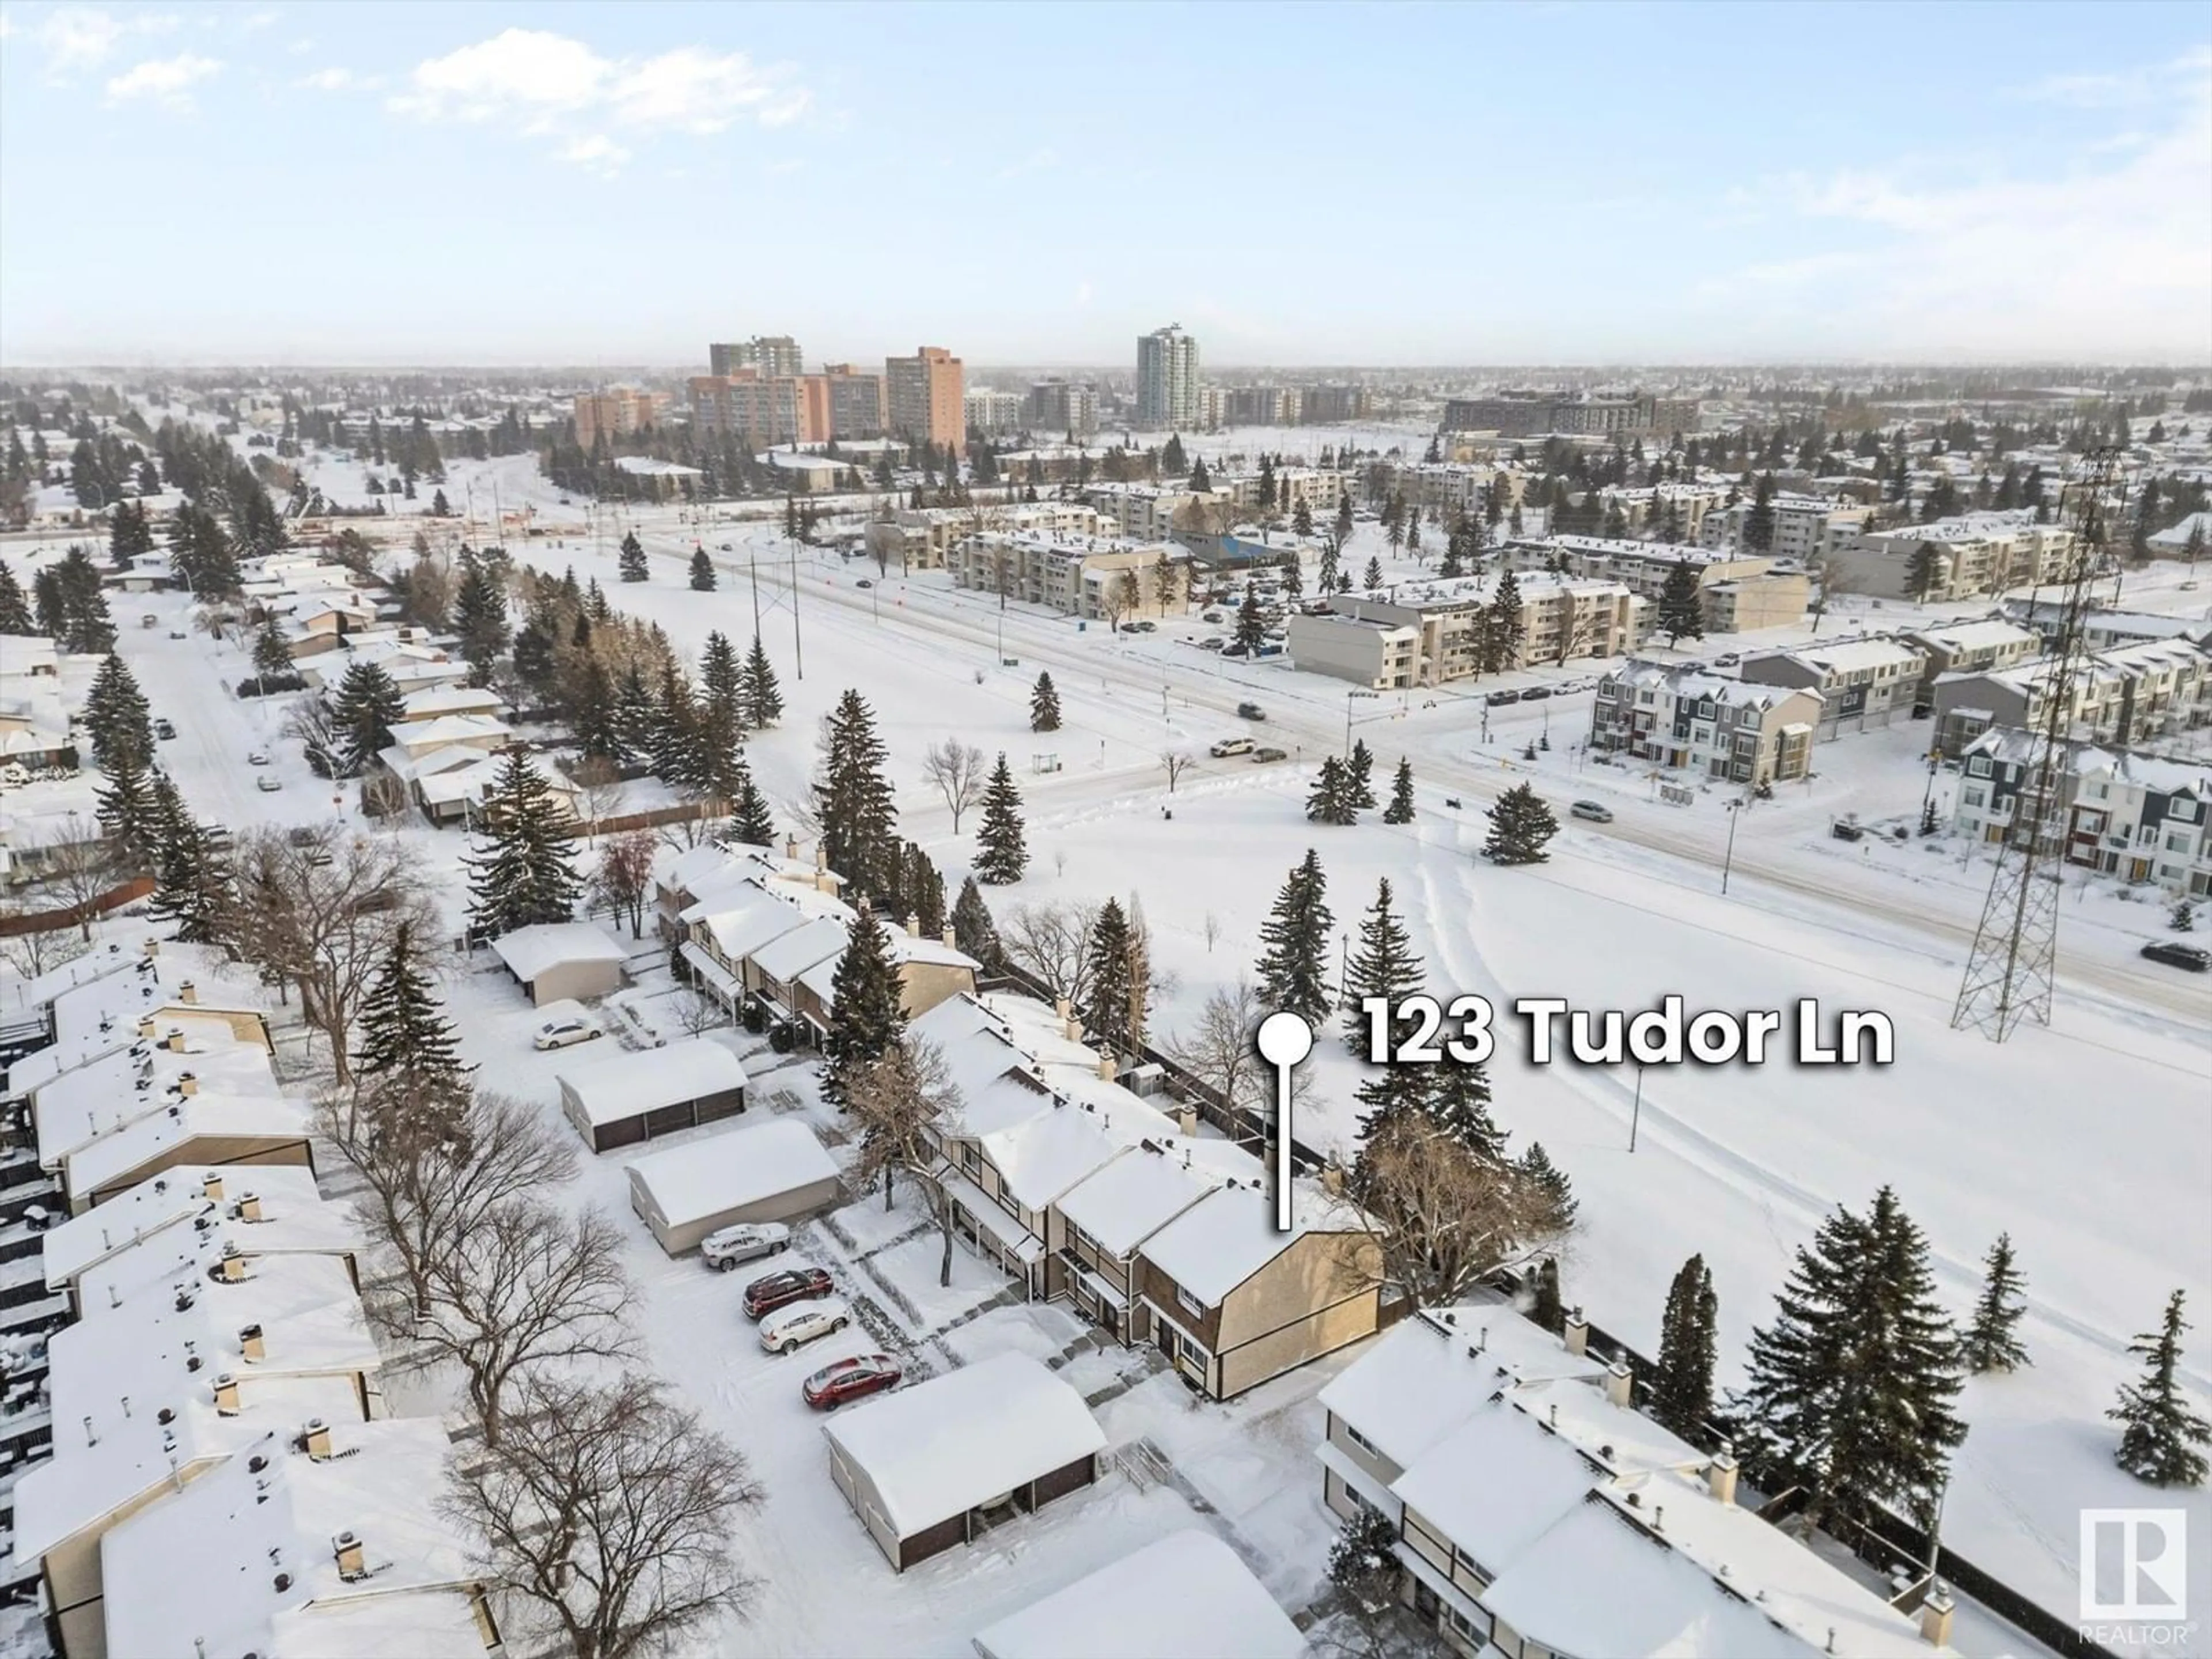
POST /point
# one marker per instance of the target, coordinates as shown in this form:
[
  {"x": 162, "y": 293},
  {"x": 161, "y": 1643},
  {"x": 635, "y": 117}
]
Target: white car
[
  {"x": 268, "y": 784},
  {"x": 1230, "y": 746},
  {"x": 749, "y": 1241},
  {"x": 259, "y": 757},
  {"x": 802, "y": 1323},
  {"x": 560, "y": 1033}
]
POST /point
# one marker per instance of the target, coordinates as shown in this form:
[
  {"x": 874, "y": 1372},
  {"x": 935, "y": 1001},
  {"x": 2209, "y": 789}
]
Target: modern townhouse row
[
  {"x": 2130, "y": 816},
  {"x": 2129, "y": 697}
]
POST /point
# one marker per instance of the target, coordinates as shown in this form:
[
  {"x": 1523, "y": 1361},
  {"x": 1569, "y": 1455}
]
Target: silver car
[{"x": 747, "y": 1241}]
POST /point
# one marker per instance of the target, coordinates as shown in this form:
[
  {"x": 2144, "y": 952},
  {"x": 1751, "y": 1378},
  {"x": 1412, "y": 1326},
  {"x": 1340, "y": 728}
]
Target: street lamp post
[
  {"x": 1636, "y": 1112},
  {"x": 1351, "y": 698},
  {"x": 1728, "y": 859}
]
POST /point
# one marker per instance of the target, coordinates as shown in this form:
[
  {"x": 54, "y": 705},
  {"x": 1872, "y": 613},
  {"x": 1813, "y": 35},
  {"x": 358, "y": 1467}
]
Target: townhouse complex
[
  {"x": 2130, "y": 816},
  {"x": 1723, "y": 729},
  {"x": 2129, "y": 697}
]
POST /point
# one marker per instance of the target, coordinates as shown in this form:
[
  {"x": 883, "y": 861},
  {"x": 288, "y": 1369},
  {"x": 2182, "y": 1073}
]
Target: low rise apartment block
[
  {"x": 1688, "y": 720},
  {"x": 1738, "y": 593},
  {"x": 2131, "y": 696},
  {"x": 617, "y": 413},
  {"x": 1978, "y": 553},
  {"x": 1534, "y": 414},
  {"x": 1807, "y": 528},
  {"x": 921, "y": 538},
  {"x": 1392, "y": 644},
  {"x": 2126, "y": 815},
  {"x": 1862, "y": 682},
  {"x": 1092, "y": 578},
  {"x": 1537, "y": 1514}
]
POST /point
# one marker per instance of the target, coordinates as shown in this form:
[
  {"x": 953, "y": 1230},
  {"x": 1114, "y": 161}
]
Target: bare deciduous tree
[
  {"x": 41, "y": 950},
  {"x": 1177, "y": 762},
  {"x": 958, "y": 770},
  {"x": 907, "y": 1106},
  {"x": 698, "y": 1012},
  {"x": 77, "y": 867},
  {"x": 1218, "y": 1051},
  {"x": 1052, "y": 944},
  {"x": 1210, "y": 927},
  {"x": 600, "y": 783},
  {"x": 312, "y": 720},
  {"x": 1441, "y": 1216},
  {"x": 384, "y": 796},
  {"x": 608, "y": 1513},
  {"x": 623, "y": 880},
  {"x": 321, "y": 908}
]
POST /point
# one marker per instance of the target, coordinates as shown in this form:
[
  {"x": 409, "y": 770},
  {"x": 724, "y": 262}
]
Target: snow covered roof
[
  {"x": 942, "y": 1447},
  {"x": 1134, "y": 1197},
  {"x": 1989, "y": 635},
  {"x": 244, "y": 1559},
  {"x": 124, "y": 1084},
  {"x": 627, "y": 1084},
  {"x": 1230, "y": 1235},
  {"x": 113, "y": 1374},
  {"x": 1856, "y": 656},
  {"x": 478, "y": 730},
  {"x": 736, "y": 1167},
  {"x": 792, "y": 953},
  {"x": 172, "y": 1225},
  {"x": 1497, "y": 1483},
  {"x": 1183, "y": 1594},
  {"x": 530, "y": 952},
  {"x": 433, "y": 702},
  {"x": 1624, "y": 1440}
]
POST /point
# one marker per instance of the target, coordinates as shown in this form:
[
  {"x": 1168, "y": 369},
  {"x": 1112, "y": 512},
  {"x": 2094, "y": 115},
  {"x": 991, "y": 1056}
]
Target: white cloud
[
  {"x": 2133, "y": 88},
  {"x": 79, "y": 38},
  {"x": 541, "y": 83},
  {"x": 595, "y": 153},
  {"x": 337, "y": 79},
  {"x": 164, "y": 81}
]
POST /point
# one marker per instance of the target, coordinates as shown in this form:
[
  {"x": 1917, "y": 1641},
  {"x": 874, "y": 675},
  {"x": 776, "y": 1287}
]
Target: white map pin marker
[{"x": 1284, "y": 1039}]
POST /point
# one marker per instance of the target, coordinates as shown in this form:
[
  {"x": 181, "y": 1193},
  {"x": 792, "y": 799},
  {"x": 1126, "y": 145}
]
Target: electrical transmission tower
[{"x": 2010, "y": 970}]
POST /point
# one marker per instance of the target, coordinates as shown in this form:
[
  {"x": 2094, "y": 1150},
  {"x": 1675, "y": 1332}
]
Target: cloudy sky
[{"x": 1296, "y": 185}]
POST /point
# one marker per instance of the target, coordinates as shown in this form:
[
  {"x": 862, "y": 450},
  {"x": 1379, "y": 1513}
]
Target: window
[
  {"x": 1362, "y": 1441},
  {"x": 1185, "y": 1299},
  {"x": 1978, "y": 767},
  {"x": 1974, "y": 797},
  {"x": 1474, "y": 1632}
]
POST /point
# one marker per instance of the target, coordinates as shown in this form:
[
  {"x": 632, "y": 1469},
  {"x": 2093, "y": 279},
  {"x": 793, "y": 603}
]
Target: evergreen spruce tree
[
  {"x": 1001, "y": 848},
  {"x": 721, "y": 677},
  {"x": 127, "y": 811},
  {"x": 2184, "y": 917},
  {"x": 1551, "y": 1185},
  {"x": 589, "y": 696},
  {"x": 761, "y": 698},
  {"x": 750, "y": 821},
  {"x": 1549, "y": 1309},
  {"x": 1331, "y": 801},
  {"x": 973, "y": 930},
  {"x": 1372, "y": 579},
  {"x": 406, "y": 1044},
  {"x": 1520, "y": 825},
  {"x": 525, "y": 873},
  {"x": 637, "y": 718},
  {"x": 1681, "y": 604},
  {"x": 272, "y": 658},
  {"x": 1382, "y": 965},
  {"x": 116, "y": 717},
  {"x": 1044, "y": 706},
  {"x": 630, "y": 562},
  {"x": 1505, "y": 628},
  {"x": 191, "y": 886},
  {"x": 864, "y": 1013},
  {"x": 1988, "y": 1344},
  {"x": 1758, "y": 522},
  {"x": 1458, "y": 1103},
  {"x": 1251, "y": 626},
  {"x": 1401, "y": 809},
  {"x": 718, "y": 754},
  {"x": 853, "y": 798},
  {"x": 480, "y": 617},
  {"x": 676, "y": 720},
  {"x": 2159, "y": 1434},
  {"x": 922, "y": 892},
  {"x": 367, "y": 706},
  {"x": 1851, "y": 1388},
  {"x": 1682, "y": 1386},
  {"x": 1924, "y": 571},
  {"x": 1107, "y": 1007},
  {"x": 702, "y": 572},
  {"x": 15, "y": 612},
  {"x": 1359, "y": 774},
  {"x": 1293, "y": 967}
]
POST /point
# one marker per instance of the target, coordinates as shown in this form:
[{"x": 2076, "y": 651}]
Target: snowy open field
[{"x": 2091, "y": 1141}]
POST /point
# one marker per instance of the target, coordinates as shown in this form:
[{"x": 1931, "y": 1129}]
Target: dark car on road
[
  {"x": 772, "y": 1290},
  {"x": 851, "y": 1379},
  {"x": 1498, "y": 697},
  {"x": 1251, "y": 711},
  {"x": 2195, "y": 958}
]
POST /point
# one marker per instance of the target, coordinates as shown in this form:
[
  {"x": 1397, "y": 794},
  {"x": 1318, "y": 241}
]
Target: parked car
[
  {"x": 864, "y": 582},
  {"x": 259, "y": 757},
  {"x": 726, "y": 547},
  {"x": 1536, "y": 694},
  {"x": 851, "y": 1379},
  {"x": 780, "y": 1289},
  {"x": 1148, "y": 628},
  {"x": 1497, "y": 697},
  {"x": 1212, "y": 617},
  {"x": 560, "y": 1033},
  {"x": 268, "y": 784},
  {"x": 1592, "y": 812},
  {"x": 1229, "y": 746},
  {"x": 1131, "y": 628},
  {"x": 2174, "y": 954},
  {"x": 164, "y": 730},
  {"x": 748, "y": 1241},
  {"x": 1264, "y": 756},
  {"x": 1211, "y": 645},
  {"x": 1251, "y": 711},
  {"x": 178, "y": 634},
  {"x": 149, "y": 620},
  {"x": 785, "y": 1332},
  {"x": 1729, "y": 660}
]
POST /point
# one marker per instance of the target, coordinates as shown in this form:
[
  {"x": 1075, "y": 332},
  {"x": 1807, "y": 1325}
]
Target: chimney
[
  {"x": 353, "y": 1565},
  {"x": 1720, "y": 1475},
  {"x": 188, "y": 993},
  {"x": 1332, "y": 1178},
  {"x": 153, "y": 947},
  {"x": 318, "y": 1439},
  {"x": 249, "y": 1206},
  {"x": 251, "y": 1345},
  {"x": 146, "y": 1027},
  {"x": 1063, "y": 1007},
  {"x": 233, "y": 1264},
  {"x": 1186, "y": 1122},
  {"x": 951, "y": 938},
  {"x": 913, "y": 925},
  {"x": 821, "y": 858},
  {"x": 225, "y": 1395},
  {"x": 1619, "y": 1383},
  {"x": 211, "y": 1186},
  {"x": 1106, "y": 1067},
  {"x": 1577, "y": 1331},
  {"x": 1073, "y": 1030},
  {"x": 1935, "y": 1615},
  {"x": 175, "y": 1044},
  {"x": 187, "y": 1084},
  {"x": 791, "y": 848}
]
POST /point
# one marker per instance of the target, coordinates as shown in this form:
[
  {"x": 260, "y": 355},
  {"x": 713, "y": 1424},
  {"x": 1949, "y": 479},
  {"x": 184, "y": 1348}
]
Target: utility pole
[
  {"x": 797, "y": 644},
  {"x": 1728, "y": 859},
  {"x": 752, "y": 564}
]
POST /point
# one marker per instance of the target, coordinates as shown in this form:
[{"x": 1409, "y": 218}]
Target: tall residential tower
[{"x": 1167, "y": 380}]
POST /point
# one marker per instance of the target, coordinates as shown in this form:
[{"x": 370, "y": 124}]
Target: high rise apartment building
[
  {"x": 1167, "y": 380},
  {"x": 773, "y": 356},
  {"x": 856, "y": 402},
  {"x": 616, "y": 414},
  {"x": 924, "y": 398}
]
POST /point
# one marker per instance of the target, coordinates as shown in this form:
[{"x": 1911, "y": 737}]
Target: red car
[
  {"x": 851, "y": 1379},
  {"x": 765, "y": 1295}
]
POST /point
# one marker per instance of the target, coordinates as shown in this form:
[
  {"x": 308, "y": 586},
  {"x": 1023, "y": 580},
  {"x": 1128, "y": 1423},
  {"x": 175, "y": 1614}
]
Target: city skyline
[{"x": 489, "y": 186}]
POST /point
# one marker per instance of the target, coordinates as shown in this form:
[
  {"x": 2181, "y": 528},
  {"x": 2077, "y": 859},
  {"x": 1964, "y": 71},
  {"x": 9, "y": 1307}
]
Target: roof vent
[{"x": 284, "y": 1583}]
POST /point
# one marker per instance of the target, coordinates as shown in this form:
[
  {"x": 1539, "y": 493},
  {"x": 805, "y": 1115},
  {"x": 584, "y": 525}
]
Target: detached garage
[
  {"x": 929, "y": 1467},
  {"x": 626, "y": 1099},
  {"x": 562, "y": 959},
  {"x": 769, "y": 1172}
]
